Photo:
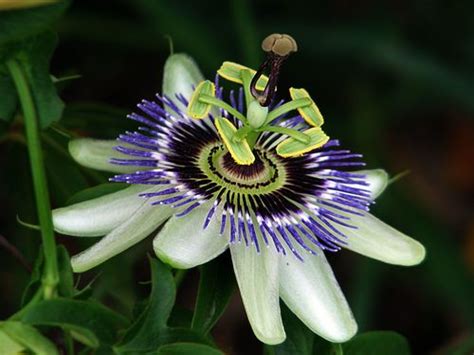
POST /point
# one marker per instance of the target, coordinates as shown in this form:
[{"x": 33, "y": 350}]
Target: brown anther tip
[{"x": 279, "y": 44}]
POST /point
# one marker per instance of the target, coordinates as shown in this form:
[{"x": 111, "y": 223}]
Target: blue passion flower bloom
[{"x": 223, "y": 171}]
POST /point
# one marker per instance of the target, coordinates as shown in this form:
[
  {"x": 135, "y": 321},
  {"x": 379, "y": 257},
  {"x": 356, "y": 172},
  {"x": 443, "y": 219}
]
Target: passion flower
[{"x": 243, "y": 172}]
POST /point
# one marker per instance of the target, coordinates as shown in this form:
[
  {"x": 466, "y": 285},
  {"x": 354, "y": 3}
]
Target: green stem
[
  {"x": 303, "y": 138},
  {"x": 50, "y": 277},
  {"x": 223, "y": 105},
  {"x": 289, "y": 106}
]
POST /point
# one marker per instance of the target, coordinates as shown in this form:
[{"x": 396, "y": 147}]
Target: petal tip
[
  {"x": 58, "y": 220},
  {"x": 342, "y": 335},
  {"x": 270, "y": 339},
  {"x": 381, "y": 182},
  {"x": 166, "y": 258},
  {"x": 78, "y": 265},
  {"x": 377, "y": 179},
  {"x": 416, "y": 255},
  {"x": 75, "y": 148}
]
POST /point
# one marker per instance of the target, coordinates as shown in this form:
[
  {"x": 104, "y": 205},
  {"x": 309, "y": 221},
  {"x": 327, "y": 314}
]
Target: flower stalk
[{"x": 50, "y": 277}]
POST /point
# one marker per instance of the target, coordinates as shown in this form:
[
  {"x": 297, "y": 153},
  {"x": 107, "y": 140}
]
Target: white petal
[
  {"x": 183, "y": 243},
  {"x": 257, "y": 277},
  {"x": 377, "y": 240},
  {"x": 98, "y": 216},
  {"x": 180, "y": 75},
  {"x": 377, "y": 179},
  {"x": 311, "y": 291},
  {"x": 96, "y": 154},
  {"x": 138, "y": 226}
]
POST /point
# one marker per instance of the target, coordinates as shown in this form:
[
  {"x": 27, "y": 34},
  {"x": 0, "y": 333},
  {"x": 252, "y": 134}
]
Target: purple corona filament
[{"x": 307, "y": 210}]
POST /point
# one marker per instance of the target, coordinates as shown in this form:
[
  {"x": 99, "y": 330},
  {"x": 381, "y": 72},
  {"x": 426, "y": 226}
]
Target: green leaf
[
  {"x": 215, "y": 290},
  {"x": 19, "y": 37},
  {"x": 26, "y": 336},
  {"x": 34, "y": 56},
  {"x": 90, "y": 322},
  {"x": 175, "y": 335},
  {"x": 19, "y": 24},
  {"x": 377, "y": 342},
  {"x": 96, "y": 191},
  {"x": 144, "y": 333},
  {"x": 35, "y": 279},
  {"x": 187, "y": 349},
  {"x": 150, "y": 330},
  {"x": 9, "y": 100},
  {"x": 66, "y": 279}
]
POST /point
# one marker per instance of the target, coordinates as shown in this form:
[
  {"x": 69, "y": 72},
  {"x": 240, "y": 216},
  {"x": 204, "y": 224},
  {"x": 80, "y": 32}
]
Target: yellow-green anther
[
  {"x": 232, "y": 72},
  {"x": 287, "y": 107},
  {"x": 197, "y": 108},
  {"x": 310, "y": 113},
  {"x": 213, "y": 101},
  {"x": 256, "y": 114},
  {"x": 293, "y": 133},
  {"x": 240, "y": 151},
  {"x": 292, "y": 147}
]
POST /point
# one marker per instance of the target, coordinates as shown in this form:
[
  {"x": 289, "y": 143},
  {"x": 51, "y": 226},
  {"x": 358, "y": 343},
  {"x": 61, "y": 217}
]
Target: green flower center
[{"x": 264, "y": 175}]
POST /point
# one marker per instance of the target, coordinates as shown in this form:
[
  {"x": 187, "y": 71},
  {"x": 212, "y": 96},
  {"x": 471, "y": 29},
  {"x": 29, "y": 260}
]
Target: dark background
[{"x": 394, "y": 80}]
